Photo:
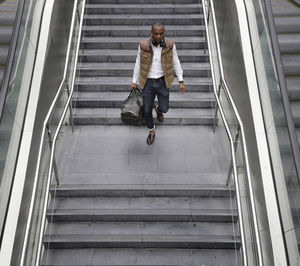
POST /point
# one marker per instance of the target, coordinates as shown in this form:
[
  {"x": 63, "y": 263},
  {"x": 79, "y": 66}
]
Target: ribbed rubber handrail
[
  {"x": 282, "y": 83},
  {"x": 295, "y": 2},
  {"x": 11, "y": 55}
]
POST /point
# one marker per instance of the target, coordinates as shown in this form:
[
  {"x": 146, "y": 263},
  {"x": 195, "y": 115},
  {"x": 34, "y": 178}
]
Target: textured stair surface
[
  {"x": 7, "y": 18},
  {"x": 287, "y": 21},
  {"x": 111, "y": 35},
  {"x": 121, "y": 201}
]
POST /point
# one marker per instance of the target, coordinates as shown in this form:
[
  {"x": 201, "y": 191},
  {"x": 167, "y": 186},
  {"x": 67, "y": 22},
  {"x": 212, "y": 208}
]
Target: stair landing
[{"x": 123, "y": 202}]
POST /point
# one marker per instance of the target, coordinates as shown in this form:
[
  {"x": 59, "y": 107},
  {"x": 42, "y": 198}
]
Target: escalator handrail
[
  {"x": 53, "y": 145},
  {"x": 11, "y": 55},
  {"x": 45, "y": 125},
  {"x": 283, "y": 86},
  {"x": 295, "y": 2},
  {"x": 244, "y": 145}
]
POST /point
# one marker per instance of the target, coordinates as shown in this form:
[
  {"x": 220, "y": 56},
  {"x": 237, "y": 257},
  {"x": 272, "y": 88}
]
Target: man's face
[{"x": 158, "y": 33}]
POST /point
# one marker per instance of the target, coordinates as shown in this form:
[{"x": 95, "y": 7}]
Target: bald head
[
  {"x": 158, "y": 32},
  {"x": 157, "y": 24}
]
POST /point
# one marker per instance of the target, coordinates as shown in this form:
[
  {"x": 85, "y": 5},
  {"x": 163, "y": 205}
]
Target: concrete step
[
  {"x": 200, "y": 177},
  {"x": 1, "y": 74},
  {"x": 143, "y": 19},
  {"x": 284, "y": 8},
  {"x": 7, "y": 18},
  {"x": 293, "y": 88},
  {"x": 5, "y": 34},
  {"x": 291, "y": 64},
  {"x": 116, "y": 84},
  {"x": 296, "y": 112},
  {"x": 133, "y": 43},
  {"x": 289, "y": 43},
  {"x": 140, "y": 241},
  {"x": 143, "y": 2},
  {"x": 112, "y": 116},
  {"x": 114, "y": 55},
  {"x": 141, "y": 204},
  {"x": 126, "y": 69},
  {"x": 8, "y": 7},
  {"x": 143, "y": 9},
  {"x": 144, "y": 215},
  {"x": 140, "y": 257},
  {"x": 2, "y": 164},
  {"x": 141, "y": 31},
  {"x": 3, "y": 148},
  {"x": 298, "y": 134},
  {"x": 170, "y": 190},
  {"x": 287, "y": 24},
  {"x": 116, "y": 99},
  {"x": 144, "y": 228},
  {"x": 3, "y": 54}
]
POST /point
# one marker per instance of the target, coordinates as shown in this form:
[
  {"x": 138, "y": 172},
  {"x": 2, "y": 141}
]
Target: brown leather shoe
[
  {"x": 150, "y": 138},
  {"x": 160, "y": 115}
]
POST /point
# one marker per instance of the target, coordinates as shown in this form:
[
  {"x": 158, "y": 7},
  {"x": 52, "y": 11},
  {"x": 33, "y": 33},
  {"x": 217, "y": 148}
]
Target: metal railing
[
  {"x": 208, "y": 9},
  {"x": 52, "y": 140}
]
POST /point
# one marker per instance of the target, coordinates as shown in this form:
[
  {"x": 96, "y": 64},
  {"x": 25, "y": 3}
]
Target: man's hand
[
  {"x": 133, "y": 86},
  {"x": 182, "y": 87}
]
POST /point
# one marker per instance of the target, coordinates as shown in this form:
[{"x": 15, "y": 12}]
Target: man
[{"x": 154, "y": 67}]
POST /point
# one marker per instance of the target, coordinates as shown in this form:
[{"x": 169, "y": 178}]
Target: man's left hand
[{"x": 182, "y": 87}]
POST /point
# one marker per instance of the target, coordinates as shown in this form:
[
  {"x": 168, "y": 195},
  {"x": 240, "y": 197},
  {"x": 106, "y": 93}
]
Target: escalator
[
  {"x": 8, "y": 10},
  {"x": 121, "y": 202},
  {"x": 287, "y": 22},
  {"x": 286, "y": 15}
]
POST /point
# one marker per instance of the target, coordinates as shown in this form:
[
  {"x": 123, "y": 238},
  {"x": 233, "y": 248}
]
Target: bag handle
[{"x": 137, "y": 99}]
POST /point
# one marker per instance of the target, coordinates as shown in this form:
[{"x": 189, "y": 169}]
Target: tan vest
[{"x": 166, "y": 61}]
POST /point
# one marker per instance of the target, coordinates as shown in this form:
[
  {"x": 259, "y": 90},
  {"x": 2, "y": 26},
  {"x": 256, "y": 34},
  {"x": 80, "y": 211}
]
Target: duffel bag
[{"x": 132, "y": 108}]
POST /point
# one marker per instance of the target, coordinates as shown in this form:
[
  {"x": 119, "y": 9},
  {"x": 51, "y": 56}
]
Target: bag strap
[{"x": 137, "y": 99}]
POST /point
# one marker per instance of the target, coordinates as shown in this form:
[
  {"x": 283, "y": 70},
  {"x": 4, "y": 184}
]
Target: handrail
[
  {"x": 232, "y": 148},
  {"x": 244, "y": 146},
  {"x": 53, "y": 146},
  {"x": 295, "y": 2},
  {"x": 283, "y": 85},
  {"x": 46, "y": 128},
  {"x": 11, "y": 55}
]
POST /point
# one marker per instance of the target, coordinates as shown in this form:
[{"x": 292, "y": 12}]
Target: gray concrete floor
[{"x": 120, "y": 155}]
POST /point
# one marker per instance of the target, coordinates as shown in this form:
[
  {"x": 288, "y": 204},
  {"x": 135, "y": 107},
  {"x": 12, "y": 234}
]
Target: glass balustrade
[{"x": 281, "y": 152}]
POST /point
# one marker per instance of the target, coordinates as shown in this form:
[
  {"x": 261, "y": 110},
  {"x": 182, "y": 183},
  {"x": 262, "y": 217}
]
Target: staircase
[
  {"x": 112, "y": 33},
  {"x": 122, "y": 202},
  {"x": 8, "y": 10},
  {"x": 287, "y": 21}
]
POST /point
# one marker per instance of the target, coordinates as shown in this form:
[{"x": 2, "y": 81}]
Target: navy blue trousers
[{"x": 151, "y": 89}]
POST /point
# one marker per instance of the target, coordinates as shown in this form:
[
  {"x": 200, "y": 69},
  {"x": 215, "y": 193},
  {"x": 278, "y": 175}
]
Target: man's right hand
[{"x": 133, "y": 86}]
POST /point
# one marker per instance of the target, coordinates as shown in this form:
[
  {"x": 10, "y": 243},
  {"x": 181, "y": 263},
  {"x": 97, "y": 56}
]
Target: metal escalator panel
[
  {"x": 10, "y": 130},
  {"x": 277, "y": 59},
  {"x": 19, "y": 29},
  {"x": 287, "y": 26}
]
